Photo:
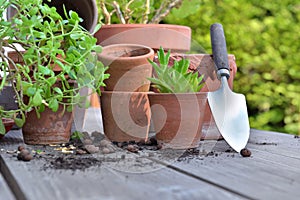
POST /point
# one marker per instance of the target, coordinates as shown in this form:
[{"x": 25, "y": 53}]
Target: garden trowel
[{"x": 228, "y": 109}]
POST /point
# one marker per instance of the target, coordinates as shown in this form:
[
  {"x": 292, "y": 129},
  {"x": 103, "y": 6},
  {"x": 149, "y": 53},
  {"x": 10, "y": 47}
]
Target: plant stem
[
  {"x": 119, "y": 12},
  {"x": 107, "y": 15},
  {"x": 147, "y": 12},
  {"x": 164, "y": 10}
]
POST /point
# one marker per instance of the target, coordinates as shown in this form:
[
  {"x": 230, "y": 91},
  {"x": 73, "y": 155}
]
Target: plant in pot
[
  {"x": 177, "y": 106},
  {"x": 137, "y": 22},
  {"x": 58, "y": 60}
]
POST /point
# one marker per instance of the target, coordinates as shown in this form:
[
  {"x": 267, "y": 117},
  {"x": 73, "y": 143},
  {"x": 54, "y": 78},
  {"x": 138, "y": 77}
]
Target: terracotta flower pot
[
  {"x": 8, "y": 124},
  {"x": 86, "y": 9},
  {"x": 178, "y": 118},
  {"x": 129, "y": 67},
  {"x": 203, "y": 64},
  {"x": 126, "y": 115},
  {"x": 174, "y": 37},
  {"x": 50, "y": 128}
]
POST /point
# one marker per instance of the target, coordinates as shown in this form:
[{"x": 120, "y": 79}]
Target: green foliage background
[{"x": 265, "y": 38}]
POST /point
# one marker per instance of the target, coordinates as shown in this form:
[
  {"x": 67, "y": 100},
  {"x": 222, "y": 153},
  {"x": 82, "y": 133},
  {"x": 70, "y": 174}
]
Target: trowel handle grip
[{"x": 219, "y": 50}]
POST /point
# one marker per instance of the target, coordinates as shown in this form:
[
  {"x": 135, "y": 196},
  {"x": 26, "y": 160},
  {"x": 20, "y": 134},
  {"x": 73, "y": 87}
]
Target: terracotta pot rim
[
  {"x": 110, "y": 48},
  {"x": 145, "y": 25},
  {"x": 8, "y": 122},
  {"x": 122, "y": 92},
  {"x": 179, "y": 94}
]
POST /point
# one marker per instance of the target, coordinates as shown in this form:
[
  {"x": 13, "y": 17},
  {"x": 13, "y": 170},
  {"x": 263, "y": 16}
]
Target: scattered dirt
[
  {"x": 135, "y": 147},
  {"x": 230, "y": 150},
  {"x": 93, "y": 150},
  {"x": 71, "y": 162},
  {"x": 297, "y": 136},
  {"x": 266, "y": 143}
]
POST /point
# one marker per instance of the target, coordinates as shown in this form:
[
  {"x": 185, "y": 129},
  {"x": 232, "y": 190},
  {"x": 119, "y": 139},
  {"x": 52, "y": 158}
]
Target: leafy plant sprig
[
  {"x": 176, "y": 78},
  {"x": 50, "y": 42}
]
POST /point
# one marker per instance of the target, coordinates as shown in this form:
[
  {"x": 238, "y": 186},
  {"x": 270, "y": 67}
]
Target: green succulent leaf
[
  {"x": 20, "y": 121},
  {"x": 176, "y": 78},
  {"x": 2, "y": 128},
  {"x": 44, "y": 70},
  {"x": 37, "y": 99},
  {"x": 53, "y": 105}
]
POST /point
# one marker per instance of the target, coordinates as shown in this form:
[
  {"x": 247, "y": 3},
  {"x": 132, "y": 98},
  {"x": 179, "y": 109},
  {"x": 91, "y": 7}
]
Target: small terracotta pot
[
  {"x": 8, "y": 124},
  {"x": 50, "y": 128},
  {"x": 178, "y": 118},
  {"x": 129, "y": 67},
  {"x": 171, "y": 37},
  {"x": 125, "y": 115}
]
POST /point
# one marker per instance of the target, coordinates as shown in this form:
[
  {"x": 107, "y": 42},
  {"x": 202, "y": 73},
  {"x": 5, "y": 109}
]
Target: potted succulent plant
[
  {"x": 203, "y": 64},
  {"x": 177, "y": 107},
  {"x": 137, "y": 22},
  {"x": 58, "y": 60}
]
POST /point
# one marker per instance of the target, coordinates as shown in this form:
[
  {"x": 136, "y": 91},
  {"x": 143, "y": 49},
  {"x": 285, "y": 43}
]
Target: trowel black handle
[{"x": 219, "y": 50}]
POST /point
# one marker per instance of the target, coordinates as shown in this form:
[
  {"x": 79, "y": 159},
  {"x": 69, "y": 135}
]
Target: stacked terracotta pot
[{"x": 126, "y": 105}]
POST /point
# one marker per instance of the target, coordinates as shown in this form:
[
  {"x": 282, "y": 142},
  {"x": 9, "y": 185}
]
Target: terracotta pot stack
[
  {"x": 185, "y": 131},
  {"x": 124, "y": 103}
]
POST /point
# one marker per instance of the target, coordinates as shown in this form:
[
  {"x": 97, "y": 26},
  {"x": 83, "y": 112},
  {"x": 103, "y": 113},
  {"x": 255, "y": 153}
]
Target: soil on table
[{"x": 94, "y": 150}]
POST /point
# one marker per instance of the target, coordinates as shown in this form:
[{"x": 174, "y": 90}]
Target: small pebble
[
  {"x": 105, "y": 150},
  {"x": 153, "y": 141},
  {"x": 111, "y": 148},
  {"x": 142, "y": 142},
  {"x": 245, "y": 152},
  {"x": 27, "y": 157},
  {"x": 119, "y": 144},
  {"x": 91, "y": 148},
  {"x": 85, "y": 134},
  {"x": 80, "y": 152},
  {"x": 21, "y": 147},
  {"x": 123, "y": 157},
  {"x": 87, "y": 142},
  {"x": 24, "y": 155},
  {"x": 104, "y": 143},
  {"x": 159, "y": 146},
  {"x": 132, "y": 148}
]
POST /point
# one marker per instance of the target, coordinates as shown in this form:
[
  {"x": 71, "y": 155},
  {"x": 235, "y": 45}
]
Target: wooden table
[{"x": 272, "y": 172}]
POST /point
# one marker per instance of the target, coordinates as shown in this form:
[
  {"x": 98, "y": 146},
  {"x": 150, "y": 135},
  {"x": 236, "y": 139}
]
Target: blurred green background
[{"x": 264, "y": 36}]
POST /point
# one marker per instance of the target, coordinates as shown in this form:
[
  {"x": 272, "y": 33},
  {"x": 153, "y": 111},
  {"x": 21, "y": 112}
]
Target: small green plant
[
  {"x": 77, "y": 135},
  {"x": 58, "y": 60},
  {"x": 175, "y": 78}
]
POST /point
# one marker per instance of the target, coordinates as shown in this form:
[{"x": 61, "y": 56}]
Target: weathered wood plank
[
  {"x": 263, "y": 176},
  {"x": 276, "y": 143},
  {"x": 130, "y": 178},
  {"x": 5, "y": 192}
]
